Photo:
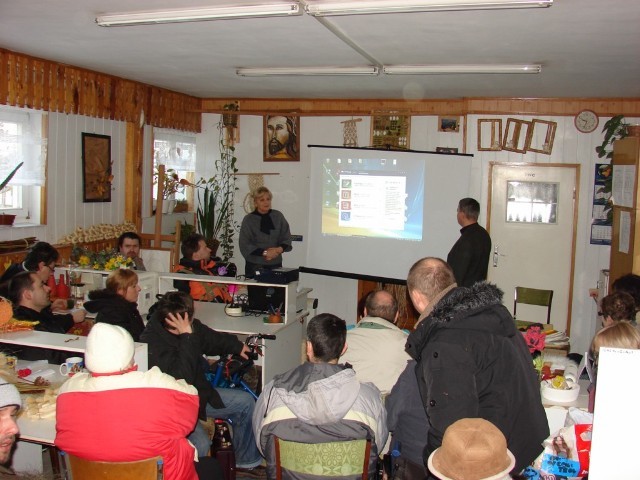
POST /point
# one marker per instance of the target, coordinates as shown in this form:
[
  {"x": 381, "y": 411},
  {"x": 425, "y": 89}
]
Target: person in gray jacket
[{"x": 320, "y": 401}]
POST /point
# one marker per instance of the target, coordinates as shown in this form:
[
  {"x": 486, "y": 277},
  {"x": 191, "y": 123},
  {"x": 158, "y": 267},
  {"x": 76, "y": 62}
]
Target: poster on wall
[{"x": 602, "y": 207}]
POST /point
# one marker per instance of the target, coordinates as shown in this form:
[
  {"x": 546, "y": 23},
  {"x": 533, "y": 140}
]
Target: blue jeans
[{"x": 239, "y": 407}]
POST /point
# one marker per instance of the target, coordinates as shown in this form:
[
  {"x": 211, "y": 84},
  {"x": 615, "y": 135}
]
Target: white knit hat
[
  {"x": 9, "y": 394},
  {"x": 109, "y": 349}
]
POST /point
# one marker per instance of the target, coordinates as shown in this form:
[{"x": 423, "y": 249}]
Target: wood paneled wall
[{"x": 44, "y": 85}]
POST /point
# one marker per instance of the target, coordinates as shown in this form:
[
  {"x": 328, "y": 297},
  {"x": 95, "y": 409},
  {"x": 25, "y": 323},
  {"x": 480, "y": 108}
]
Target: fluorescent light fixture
[
  {"x": 322, "y": 9},
  {"x": 457, "y": 69},
  {"x": 265, "y": 72},
  {"x": 281, "y": 9}
]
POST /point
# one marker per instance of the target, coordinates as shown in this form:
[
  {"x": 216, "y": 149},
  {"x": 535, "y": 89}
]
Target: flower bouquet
[{"x": 103, "y": 260}]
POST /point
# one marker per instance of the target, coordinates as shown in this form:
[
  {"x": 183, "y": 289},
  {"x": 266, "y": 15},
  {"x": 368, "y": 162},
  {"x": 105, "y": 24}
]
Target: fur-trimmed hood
[{"x": 475, "y": 308}]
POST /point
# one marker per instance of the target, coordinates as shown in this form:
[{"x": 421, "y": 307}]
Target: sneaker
[{"x": 256, "y": 472}]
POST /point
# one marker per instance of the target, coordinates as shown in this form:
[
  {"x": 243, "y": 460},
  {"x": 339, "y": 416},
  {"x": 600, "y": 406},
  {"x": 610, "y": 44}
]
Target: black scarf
[{"x": 266, "y": 224}]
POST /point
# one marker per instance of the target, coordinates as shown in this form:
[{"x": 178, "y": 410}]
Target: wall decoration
[
  {"x": 449, "y": 124},
  {"x": 96, "y": 168},
  {"x": 446, "y": 150},
  {"x": 516, "y": 135},
  {"x": 602, "y": 206},
  {"x": 541, "y": 138},
  {"x": 390, "y": 130},
  {"x": 350, "y": 132},
  {"x": 489, "y": 134},
  {"x": 281, "y": 139}
]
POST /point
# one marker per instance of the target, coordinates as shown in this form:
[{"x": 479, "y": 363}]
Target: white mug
[{"x": 72, "y": 365}]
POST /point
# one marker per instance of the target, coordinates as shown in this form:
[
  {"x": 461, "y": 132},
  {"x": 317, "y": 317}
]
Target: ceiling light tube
[
  {"x": 408, "y": 6},
  {"x": 281, "y": 9},
  {"x": 458, "y": 69},
  {"x": 311, "y": 71}
]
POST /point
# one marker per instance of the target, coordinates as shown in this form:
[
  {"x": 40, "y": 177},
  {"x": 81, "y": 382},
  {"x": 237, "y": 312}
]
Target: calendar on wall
[{"x": 390, "y": 130}]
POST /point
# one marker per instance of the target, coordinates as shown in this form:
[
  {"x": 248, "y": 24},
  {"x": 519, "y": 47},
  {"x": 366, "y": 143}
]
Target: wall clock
[{"x": 586, "y": 121}]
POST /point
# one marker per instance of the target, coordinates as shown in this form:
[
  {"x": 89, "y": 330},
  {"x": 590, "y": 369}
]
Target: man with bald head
[
  {"x": 375, "y": 347},
  {"x": 472, "y": 361}
]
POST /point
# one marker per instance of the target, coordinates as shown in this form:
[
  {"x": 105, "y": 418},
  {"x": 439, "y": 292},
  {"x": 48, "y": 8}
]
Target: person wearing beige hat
[
  {"x": 10, "y": 403},
  {"x": 472, "y": 449}
]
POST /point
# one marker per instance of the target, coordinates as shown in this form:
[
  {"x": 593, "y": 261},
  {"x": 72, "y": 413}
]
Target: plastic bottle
[
  {"x": 53, "y": 288},
  {"x": 63, "y": 290}
]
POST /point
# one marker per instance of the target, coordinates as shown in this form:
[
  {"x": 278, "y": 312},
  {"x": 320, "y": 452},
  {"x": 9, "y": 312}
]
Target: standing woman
[
  {"x": 264, "y": 235},
  {"x": 117, "y": 303}
]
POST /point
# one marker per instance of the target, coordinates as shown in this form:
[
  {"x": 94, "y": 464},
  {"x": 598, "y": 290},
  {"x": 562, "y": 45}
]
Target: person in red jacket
[{"x": 116, "y": 414}]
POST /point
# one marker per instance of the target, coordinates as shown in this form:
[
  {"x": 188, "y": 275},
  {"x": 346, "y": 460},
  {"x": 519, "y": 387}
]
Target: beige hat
[
  {"x": 472, "y": 449},
  {"x": 109, "y": 349}
]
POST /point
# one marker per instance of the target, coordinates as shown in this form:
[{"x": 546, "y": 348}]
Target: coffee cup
[{"x": 71, "y": 366}]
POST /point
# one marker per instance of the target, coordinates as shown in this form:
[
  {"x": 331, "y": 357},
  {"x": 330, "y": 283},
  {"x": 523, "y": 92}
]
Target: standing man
[
  {"x": 9, "y": 405},
  {"x": 469, "y": 257},
  {"x": 472, "y": 361},
  {"x": 129, "y": 246},
  {"x": 376, "y": 345},
  {"x": 281, "y": 138}
]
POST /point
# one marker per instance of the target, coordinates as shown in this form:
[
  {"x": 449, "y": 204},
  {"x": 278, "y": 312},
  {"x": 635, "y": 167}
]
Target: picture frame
[
  {"x": 516, "y": 135},
  {"x": 96, "y": 168},
  {"x": 390, "y": 130},
  {"x": 449, "y": 124},
  {"x": 446, "y": 150},
  {"x": 489, "y": 134},
  {"x": 281, "y": 138},
  {"x": 543, "y": 133}
]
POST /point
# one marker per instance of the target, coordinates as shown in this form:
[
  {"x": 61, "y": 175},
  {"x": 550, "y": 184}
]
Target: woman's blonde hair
[
  {"x": 121, "y": 279},
  {"x": 258, "y": 192},
  {"x": 621, "y": 334}
]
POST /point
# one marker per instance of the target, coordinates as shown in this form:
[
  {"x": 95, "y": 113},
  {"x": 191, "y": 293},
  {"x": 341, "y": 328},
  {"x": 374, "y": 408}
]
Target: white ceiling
[{"x": 588, "y": 48}]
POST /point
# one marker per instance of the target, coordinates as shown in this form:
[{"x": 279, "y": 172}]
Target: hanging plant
[
  {"x": 614, "y": 129},
  {"x": 230, "y": 119}
]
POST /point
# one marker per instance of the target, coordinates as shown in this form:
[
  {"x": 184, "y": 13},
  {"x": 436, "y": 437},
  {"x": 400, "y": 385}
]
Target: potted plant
[
  {"x": 6, "y": 219},
  {"x": 614, "y": 129},
  {"x": 171, "y": 184},
  {"x": 181, "y": 206},
  {"x": 230, "y": 119}
]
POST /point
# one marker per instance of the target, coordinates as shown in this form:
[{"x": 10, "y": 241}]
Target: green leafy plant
[
  {"x": 6, "y": 181},
  {"x": 614, "y": 129},
  {"x": 171, "y": 183}
]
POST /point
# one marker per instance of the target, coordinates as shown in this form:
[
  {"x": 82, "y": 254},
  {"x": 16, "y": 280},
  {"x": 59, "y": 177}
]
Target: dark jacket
[
  {"x": 115, "y": 309},
  {"x": 469, "y": 256},
  {"x": 473, "y": 362},
  {"x": 181, "y": 355},
  {"x": 12, "y": 271},
  {"x": 49, "y": 322}
]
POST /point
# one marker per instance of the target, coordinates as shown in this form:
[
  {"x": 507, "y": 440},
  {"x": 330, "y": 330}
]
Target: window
[
  {"x": 177, "y": 151},
  {"x": 21, "y": 141}
]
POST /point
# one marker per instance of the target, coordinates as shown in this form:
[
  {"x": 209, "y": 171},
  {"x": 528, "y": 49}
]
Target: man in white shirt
[{"x": 376, "y": 344}]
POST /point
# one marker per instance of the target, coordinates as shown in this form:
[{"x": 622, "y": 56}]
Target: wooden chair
[
  {"x": 348, "y": 459},
  {"x": 76, "y": 468},
  {"x": 533, "y": 296}
]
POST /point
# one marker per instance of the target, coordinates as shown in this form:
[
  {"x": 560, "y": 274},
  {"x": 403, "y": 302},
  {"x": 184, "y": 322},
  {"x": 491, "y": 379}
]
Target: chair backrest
[
  {"x": 533, "y": 296},
  {"x": 76, "y": 468},
  {"x": 348, "y": 459}
]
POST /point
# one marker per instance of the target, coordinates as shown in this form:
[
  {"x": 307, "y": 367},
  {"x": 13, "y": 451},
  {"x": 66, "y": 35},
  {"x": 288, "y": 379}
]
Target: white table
[{"x": 557, "y": 411}]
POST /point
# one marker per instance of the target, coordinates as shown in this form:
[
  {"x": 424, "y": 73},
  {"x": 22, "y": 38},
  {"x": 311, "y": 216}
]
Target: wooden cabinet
[{"x": 625, "y": 241}]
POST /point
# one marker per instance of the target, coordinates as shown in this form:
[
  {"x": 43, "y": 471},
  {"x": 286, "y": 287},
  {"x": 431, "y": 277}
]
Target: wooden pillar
[{"x": 133, "y": 174}]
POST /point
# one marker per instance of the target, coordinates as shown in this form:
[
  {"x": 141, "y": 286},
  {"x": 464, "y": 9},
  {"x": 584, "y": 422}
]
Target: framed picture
[
  {"x": 446, "y": 150},
  {"x": 281, "y": 140},
  {"x": 448, "y": 124},
  {"x": 390, "y": 130},
  {"x": 96, "y": 168}
]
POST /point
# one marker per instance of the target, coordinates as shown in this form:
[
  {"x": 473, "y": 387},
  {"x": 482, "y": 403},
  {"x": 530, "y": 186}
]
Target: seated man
[
  {"x": 132, "y": 415},
  {"x": 320, "y": 401},
  {"x": 177, "y": 343},
  {"x": 41, "y": 259},
  {"x": 129, "y": 246},
  {"x": 30, "y": 298},
  {"x": 196, "y": 260},
  {"x": 9, "y": 405},
  {"x": 376, "y": 345}
]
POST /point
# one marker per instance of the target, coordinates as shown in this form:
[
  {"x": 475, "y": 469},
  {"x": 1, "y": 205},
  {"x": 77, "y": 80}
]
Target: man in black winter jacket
[{"x": 472, "y": 361}]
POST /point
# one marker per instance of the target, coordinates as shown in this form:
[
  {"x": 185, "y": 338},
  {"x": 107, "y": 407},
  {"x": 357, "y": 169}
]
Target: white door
[{"x": 532, "y": 221}]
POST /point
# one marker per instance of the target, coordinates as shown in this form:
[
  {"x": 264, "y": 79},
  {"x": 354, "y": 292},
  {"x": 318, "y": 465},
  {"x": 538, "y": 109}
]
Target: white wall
[
  {"x": 290, "y": 189},
  {"x": 65, "y": 209}
]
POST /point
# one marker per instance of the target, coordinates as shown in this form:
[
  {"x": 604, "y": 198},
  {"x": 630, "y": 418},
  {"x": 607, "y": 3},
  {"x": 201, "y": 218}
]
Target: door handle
[{"x": 496, "y": 254}]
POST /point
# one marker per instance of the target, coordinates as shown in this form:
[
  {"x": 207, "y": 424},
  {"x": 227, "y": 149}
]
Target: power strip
[{"x": 234, "y": 311}]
